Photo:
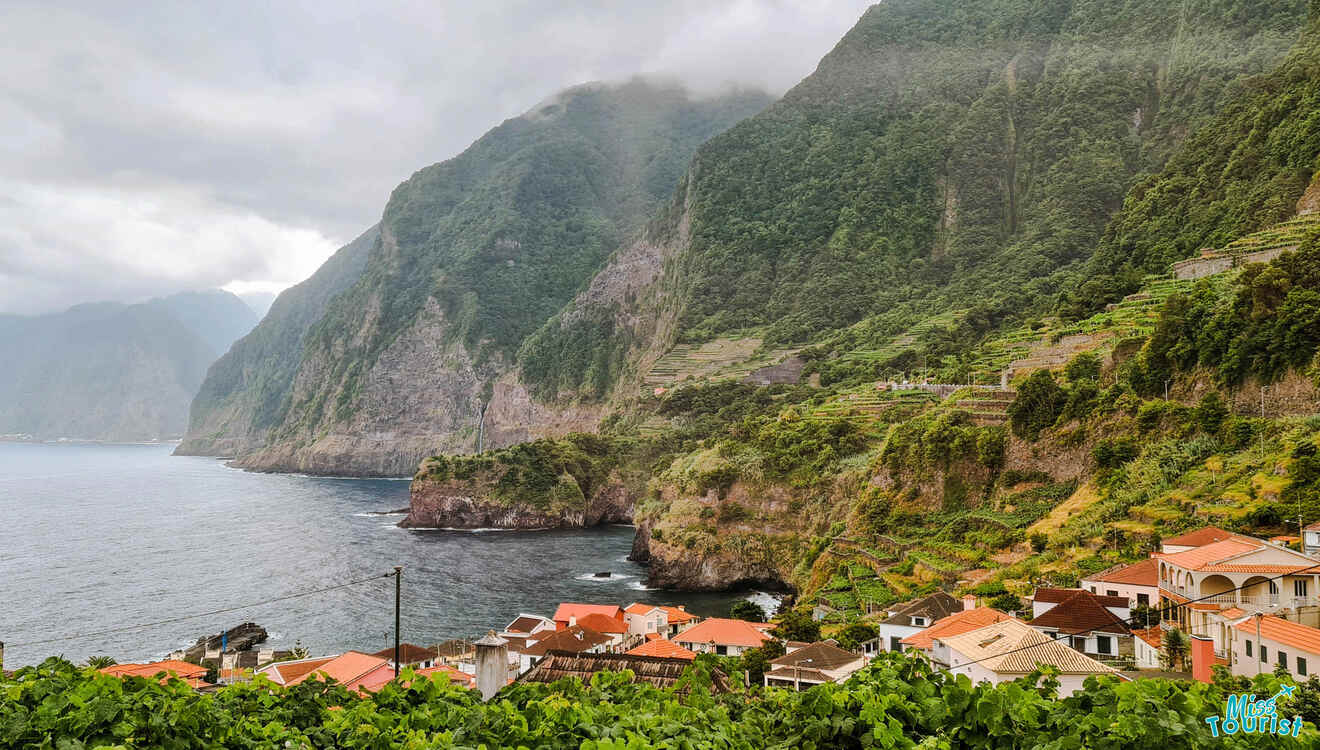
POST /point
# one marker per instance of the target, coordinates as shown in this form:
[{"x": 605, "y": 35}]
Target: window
[
  {"x": 1299, "y": 587},
  {"x": 895, "y": 643},
  {"x": 1283, "y": 658},
  {"x": 1301, "y": 667},
  {"x": 1274, "y": 587},
  {"x": 1143, "y": 599},
  {"x": 1079, "y": 643},
  {"x": 1110, "y": 592},
  {"x": 918, "y": 622},
  {"x": 1093, "y": 589},
  {"x": 1104, "y": 644},
  {"x": 722, "y": 650},
  {"x": 1264, "y": 653},
  {"x": 1248, "y": 648}
]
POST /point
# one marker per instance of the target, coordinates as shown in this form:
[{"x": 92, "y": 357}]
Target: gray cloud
[{"x": 161, "y": 146}]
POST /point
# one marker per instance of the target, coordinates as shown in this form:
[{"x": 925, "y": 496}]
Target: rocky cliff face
[
  {"x": 459, "y": 504},
  {"x": 473, "y": 255}
]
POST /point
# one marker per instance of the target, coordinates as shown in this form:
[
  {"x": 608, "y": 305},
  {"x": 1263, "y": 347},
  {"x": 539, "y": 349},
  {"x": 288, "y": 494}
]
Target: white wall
[
  {"x": 1128, "y": 590},
  {"x": 895, "y": 631},
  {"x": 1250, "y": 666}
]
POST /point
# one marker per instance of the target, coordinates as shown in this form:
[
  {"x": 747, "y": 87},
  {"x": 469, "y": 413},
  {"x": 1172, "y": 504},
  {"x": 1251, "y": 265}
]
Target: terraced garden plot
[{"x": 720, "y": 359}]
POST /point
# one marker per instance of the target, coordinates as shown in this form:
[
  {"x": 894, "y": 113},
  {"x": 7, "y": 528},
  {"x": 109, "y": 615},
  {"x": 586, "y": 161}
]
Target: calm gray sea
[{"x": 100, "y": 537}]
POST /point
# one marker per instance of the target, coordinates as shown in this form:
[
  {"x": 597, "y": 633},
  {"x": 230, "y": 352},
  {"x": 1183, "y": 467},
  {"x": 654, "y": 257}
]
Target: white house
[
  {"x": 1084, "y": 622},
  {"x": 928, "y": 641},
  {"x": 1139, "y": 583},
  {"x": 528, "y": 625},
  {"x": 913, "y": 617},
  {"x": 1011, "y": 649},
  {"x": 1261, "y": 642},
  {"x": 813, "y": 665},
  {"x": 1311, "y": 539}
]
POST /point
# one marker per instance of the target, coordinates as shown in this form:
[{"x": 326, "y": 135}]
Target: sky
[{"x": 155, "y": 147}]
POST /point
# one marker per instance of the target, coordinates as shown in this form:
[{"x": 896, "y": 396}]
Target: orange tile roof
[
  {"x": 571, "y": 609},
  {"x": 188, "y": 672},
  {"x": 1233, "y": 613},
  {"x": 574, "y": 639},
  {"x": 349, "y": 668},
  {"x": 286, "y": 672},
  {"x": 1144, "y": 573},
  {"x": 1195, "y": 559},
  {"x": 955, "y": 624},
  {"x": 664, "y": 648},
  {"x": 455, "y": 676},
  {"x": 652, "y": 636},
  {"x": 601, "y": 624},
  {"x": 1201, "y": 537},
  {"x": 1260, "y": 568},
  {"x": 637, "y": 608},
  {"x": 1153, "y": 636},
  {"x": 1283, "y": 631},
  {"x": 724, "y": 632},
  {"x": 677, "y": 614}
]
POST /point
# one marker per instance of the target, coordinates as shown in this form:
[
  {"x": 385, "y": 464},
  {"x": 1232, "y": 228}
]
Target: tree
[
  {"x": 1038, "y": 542},
  {"x": 747, "y": 610},
  {"x": 1038, "y": 403},
  {"x": 855, "y": 634},
  {"x": 1210, "y": 413},
  {"x": 101, "y": 662},
  {"x": 1007, "y": 603},
  {"x": 1145, "y": 616},
  {"x": 756, "y": 661},
  {"x": 797, "y": 625},
  {"x": 1083, "y": 367},
  {"x": 1176, "y": 648}
]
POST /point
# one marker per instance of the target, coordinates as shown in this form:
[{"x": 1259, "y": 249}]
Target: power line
[
  {"x": 1131, "y": 620},
  {"x": 181, "y": 618}
]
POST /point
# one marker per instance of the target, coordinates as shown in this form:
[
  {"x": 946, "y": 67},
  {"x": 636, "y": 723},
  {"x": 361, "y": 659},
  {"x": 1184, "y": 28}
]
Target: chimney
[
  {"x": 572, "y": 620},
  {"x": 969, "y": 602},
  {"x": 492, "y": 664},
  {"x": 1203, "y": 658}
]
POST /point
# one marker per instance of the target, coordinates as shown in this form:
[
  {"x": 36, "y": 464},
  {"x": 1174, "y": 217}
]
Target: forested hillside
[
  {"x": 944, "y": 156},
  {"x": 472, "y": 254}
]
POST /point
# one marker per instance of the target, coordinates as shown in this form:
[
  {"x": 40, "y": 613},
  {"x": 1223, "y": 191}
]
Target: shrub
[{"x": 1037, "y": 406}]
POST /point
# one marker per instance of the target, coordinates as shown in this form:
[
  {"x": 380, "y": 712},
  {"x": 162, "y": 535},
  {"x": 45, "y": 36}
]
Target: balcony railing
[{"x": 1256, "y": 601}]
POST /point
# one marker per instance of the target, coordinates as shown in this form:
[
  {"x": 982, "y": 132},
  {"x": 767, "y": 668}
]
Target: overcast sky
[{"x": 153, "y": 147}]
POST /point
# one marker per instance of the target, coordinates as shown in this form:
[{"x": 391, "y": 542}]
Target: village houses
[{"x": 912, "y": 617}]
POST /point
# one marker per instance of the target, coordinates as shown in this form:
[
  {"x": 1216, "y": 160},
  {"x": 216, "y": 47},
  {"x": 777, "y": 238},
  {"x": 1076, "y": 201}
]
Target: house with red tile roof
[
  {"x": 968, "y": 620},
  {"x": 912, "y": 617},
  {"x": 718, "y": 635},
  {"x": 657, "y": 618},
  {"x": 567, "y": 614},
  {"x": 1261, "y": 643},
  {"x": 662, "y": 648},
  {"x": 1011, "y": 649},
  {"x": 166, "y": 670},
  {"x": 1139, "y": 583},
  {"x": 1084, "y": 622},
  {"x": 352, "y": 669}
]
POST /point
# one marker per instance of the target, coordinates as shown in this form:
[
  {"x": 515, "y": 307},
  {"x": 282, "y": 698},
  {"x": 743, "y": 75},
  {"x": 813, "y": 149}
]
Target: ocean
[{"x": 122, "y": 550}]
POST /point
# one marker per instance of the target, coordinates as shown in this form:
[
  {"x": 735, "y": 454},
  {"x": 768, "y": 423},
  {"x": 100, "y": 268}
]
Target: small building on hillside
[
  {"x": 665, "y": 621},
  {"x": 1311, "y": 539},
  {"x": 928, "y": 641},
  {"x": 718, "y": 635},
  {"x": 1260, "y": 643},
  {"x": 913, "y": 617},
  {"x": 1139, "y": 583},
  {"x": 1084, "y": 622},
  {"x": 1011, "y": 649},
  {"x": 813, "y": 665}
]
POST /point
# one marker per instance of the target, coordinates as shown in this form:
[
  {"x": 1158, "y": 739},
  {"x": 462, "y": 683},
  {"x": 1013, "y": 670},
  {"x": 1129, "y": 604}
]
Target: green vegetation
[
  {"x": 545, "y": 474},
  {"x": 895, "y": 703}
]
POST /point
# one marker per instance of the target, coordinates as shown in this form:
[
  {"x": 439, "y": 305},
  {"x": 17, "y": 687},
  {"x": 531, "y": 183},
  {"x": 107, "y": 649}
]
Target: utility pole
[
  {"x": 1166, "y": 390},
  {"x": 398, "y": 593}
]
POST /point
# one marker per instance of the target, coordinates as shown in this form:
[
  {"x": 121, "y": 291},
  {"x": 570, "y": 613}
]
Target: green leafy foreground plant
[{"x": 897, "y": 702}]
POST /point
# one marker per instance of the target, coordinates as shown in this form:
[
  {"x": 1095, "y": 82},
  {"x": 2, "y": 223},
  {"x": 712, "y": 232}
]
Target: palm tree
[
  {"x": 1176, "y": 648},
  {"x": 100, "y": 662}
]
